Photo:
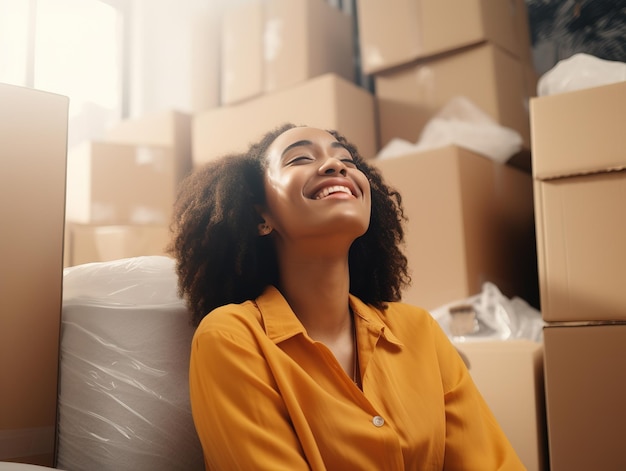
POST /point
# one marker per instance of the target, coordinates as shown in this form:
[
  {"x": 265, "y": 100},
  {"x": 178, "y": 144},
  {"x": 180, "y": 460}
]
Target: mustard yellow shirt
[{"x": 265, "y": 396}]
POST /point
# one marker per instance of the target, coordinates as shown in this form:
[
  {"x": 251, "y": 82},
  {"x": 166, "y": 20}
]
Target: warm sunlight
[{"x": 76, "y": 52}]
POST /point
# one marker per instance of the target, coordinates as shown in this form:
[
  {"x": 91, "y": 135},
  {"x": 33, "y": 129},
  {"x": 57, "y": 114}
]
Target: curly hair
[{"x": 221, "y": 259}]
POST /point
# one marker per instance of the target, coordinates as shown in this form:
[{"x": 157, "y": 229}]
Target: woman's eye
[
  {"x": 299, "y": 159},
  {"x": 349, "y": 161}
]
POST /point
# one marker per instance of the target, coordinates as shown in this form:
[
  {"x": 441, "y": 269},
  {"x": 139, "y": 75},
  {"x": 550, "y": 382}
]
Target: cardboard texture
[
  {"x": 585, "y": 392},
  {"x": 579, "y": 170},
  {"x": 509, "y": 375},
  {"x": 33, "y": 139},
  {"x": 110, "y": 183},
  {"x": 270, "y": 45},
  {"x": 242, "y": 52},
  {"x": 425, "y": 28},
  {"x": 327, "y": 101},
  {"x": 470, "y": 220},
  {"x": 490, "y": 78},
  {"x": 85, "y": 243},
  {"x": 168, "y": 128}
]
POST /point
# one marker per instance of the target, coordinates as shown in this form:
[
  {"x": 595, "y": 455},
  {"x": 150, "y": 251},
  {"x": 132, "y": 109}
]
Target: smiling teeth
[{"x": 332, "y": 189}]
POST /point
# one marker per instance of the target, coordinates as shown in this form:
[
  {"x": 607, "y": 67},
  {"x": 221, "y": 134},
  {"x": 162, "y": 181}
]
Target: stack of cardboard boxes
[
  {"x": 285, "y": 61},
  {"x": 579, "y": 170},
  {"x": 120, "y": 190},
  {"x": 422, "y": 53}
]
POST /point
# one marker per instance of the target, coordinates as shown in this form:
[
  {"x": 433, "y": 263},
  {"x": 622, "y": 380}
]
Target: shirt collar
[{"x": 281, "y": 323}]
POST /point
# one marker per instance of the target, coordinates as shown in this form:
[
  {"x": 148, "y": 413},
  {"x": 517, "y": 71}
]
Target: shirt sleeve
[
  {"x": 474, "y": 439},
  {"x": 239, "y": 415}
]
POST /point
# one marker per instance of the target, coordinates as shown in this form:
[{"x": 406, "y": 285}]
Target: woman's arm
[{"x": 238, "y": 412}]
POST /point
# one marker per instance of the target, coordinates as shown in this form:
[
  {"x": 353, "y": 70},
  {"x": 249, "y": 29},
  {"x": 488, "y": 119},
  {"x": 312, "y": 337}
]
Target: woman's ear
[{"x": 264, "y": 227}]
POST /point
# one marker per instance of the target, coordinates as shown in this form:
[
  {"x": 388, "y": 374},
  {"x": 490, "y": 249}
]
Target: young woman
[{"x": 289, "y": 257}]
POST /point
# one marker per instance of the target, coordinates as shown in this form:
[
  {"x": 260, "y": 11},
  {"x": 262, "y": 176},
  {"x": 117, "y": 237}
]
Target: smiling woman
[{"x": 290, "y": 259}]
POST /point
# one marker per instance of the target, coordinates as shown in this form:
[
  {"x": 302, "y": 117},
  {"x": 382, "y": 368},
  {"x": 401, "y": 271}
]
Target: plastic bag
[
  {"x": 578, "y": 72},
  {"x": 464, "y": 124},
  {"x": 490, "y": 315}
]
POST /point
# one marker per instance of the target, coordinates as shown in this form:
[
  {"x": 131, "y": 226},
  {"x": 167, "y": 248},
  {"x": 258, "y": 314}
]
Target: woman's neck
[{"x": 317, "y": 289}]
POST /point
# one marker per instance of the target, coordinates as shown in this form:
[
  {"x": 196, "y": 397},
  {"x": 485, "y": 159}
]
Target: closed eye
[{"x": 299, "y": 159}]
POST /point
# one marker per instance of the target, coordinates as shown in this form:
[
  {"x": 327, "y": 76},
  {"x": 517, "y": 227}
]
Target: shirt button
[{"x": 378, "y": 421}]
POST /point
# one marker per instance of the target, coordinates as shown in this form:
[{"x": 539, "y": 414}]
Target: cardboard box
[
  {"x": 585, "y": 390},
  {"x": 470, "y": 220},
  {"x": 579, "y": 170},
  {"x": 86, "y": 243},
  {"x": 509, "y": 375},
  {"x": 402, "y": 31},
  {"x": 109, "y": 183},
  {"x": 270, "y": 45},
  {"x": 328, "y": 102},
  {"x": 33, "y": 139},
  {"x": 490, "y": 78},
  {"x": 168, "y": 128},
  {"x": 242, "y": 52}
]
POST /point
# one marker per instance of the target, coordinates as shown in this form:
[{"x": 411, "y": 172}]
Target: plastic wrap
[
  {"x": 578, "y": 72},
  {"x": 123, "y": 386},
  {"x": 464, "y": 124},
  {"x": 490, "y": 315}
]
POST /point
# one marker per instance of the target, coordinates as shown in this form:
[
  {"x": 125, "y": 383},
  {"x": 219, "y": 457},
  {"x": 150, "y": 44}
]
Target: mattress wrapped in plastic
[{"x": 123, "y": 386}]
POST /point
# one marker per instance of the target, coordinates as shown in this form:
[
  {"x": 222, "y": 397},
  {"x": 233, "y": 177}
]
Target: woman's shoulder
[{"x": 231, "y": 320}]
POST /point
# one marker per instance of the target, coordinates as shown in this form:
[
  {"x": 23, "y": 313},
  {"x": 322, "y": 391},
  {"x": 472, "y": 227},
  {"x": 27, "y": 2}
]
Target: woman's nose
[{"x": 332, "y": 166}]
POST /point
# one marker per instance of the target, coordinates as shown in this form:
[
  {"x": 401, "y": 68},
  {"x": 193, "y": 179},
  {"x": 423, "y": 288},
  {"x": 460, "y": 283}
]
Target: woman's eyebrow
[
  {"x": 301, "y": 143},
  {"x": 306, "y": 142},
  {"x": 338, "y": 145}
]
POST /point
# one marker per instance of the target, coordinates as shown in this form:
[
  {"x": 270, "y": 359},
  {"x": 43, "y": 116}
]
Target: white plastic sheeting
[{"x": 123, "y": 394}]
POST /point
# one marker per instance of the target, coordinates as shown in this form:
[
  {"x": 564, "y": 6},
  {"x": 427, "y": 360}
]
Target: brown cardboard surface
[
  {"x": 167, "y": 128},
  {"x": 87, "y": 243},
  {"x": 327, "y": 101},
  {"x": 407, "y": 30},
  {"x": 493, "y": 80},
  {"x": 470, "y": 220},
  {"x": 579, "y": 132},
  {"x": 33, "y": 139},
  {"x": 110, "y": 183},
  {"x": 581, "y": 229},
  {"x": 509, "y": 375},
  {"x": 242, "y": 52},
  {"x": 585, "y": 390},
  {"x": 579, "y": 167},
  {"x": 271, "y": 45}
]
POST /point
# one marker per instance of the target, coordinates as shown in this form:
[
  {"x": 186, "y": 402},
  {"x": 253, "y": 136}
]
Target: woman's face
[{"x": 313, "y": 187}]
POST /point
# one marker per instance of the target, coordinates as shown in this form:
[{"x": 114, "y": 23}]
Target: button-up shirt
[{"x": 266, "y": 396}]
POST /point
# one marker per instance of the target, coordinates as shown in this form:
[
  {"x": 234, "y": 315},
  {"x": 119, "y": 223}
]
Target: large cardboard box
[
  {"x": 408, "y": 97},
  {"x": 470, "y": 220},
  {"x": 402, "y": 31},
  {"x": 327, "y": 101},
  {"x": 167, "y": 128},
  {"x": 579, "y": 169},
  {"x": 269, "y": 45},
  {"x": 509, "y": 375},
  {"x": 585, "y": 390},
  {"x": 87, "y": 243},
  {"x": 33, "y": 143},
  {"x": 110, "y": 183}
]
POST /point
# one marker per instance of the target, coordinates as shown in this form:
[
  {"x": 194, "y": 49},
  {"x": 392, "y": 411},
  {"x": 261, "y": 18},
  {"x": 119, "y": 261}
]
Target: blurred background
[{"x": 120, "y": 59}]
